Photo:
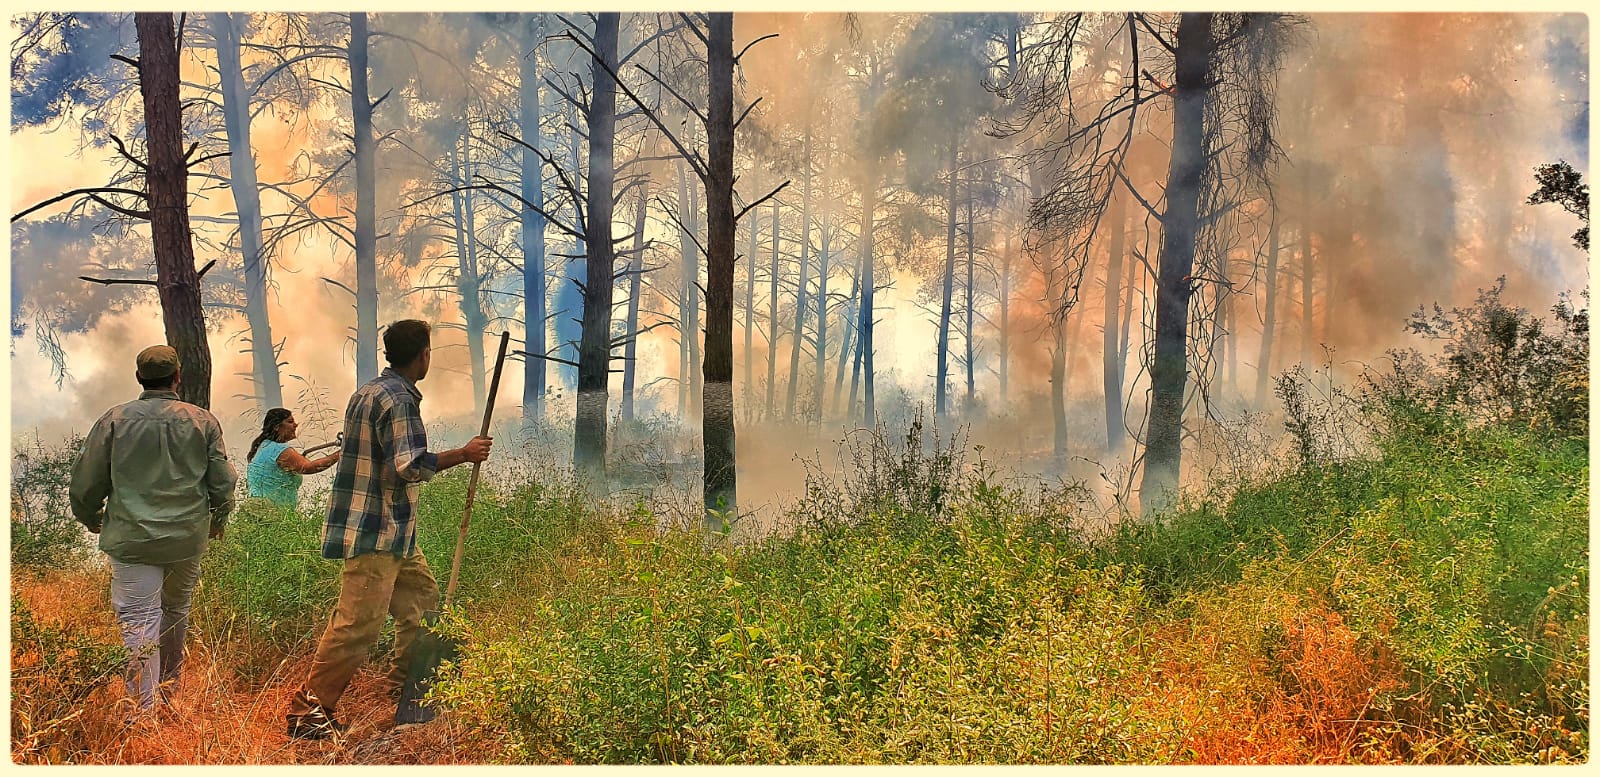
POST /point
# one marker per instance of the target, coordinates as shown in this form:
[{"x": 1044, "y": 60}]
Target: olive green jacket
[{"x": 153, "y": 479}]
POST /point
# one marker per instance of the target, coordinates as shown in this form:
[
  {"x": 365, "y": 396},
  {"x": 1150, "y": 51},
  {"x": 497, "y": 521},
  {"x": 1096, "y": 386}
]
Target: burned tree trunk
[
  {"x": 869, "y": 206},
  {"x": 1269, "y": 323},
  {"x": 167, "y": 176},
  {"x": 594, "y": 351},
  {"x": 532, "y": 224},
  {"x": 820, "y": 380},
  {"x": 721, "y": 475},
  {"x": 947, "y": 288},
  {"x": 852, "y": 321},
  {"x": 1180, "y": 226},
  {"x": 772, "y": 313}
]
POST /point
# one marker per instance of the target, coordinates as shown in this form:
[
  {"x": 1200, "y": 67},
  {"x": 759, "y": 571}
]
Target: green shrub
[
  {"x": 1498, "y": 364},
  {"x": 264, "y": 583},
  {"x": 1462, "y": 558},
  {"x": 44, "y": 535}
]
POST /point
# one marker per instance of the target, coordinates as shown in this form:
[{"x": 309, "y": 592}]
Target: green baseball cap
[{"x": 157, "y": 361}]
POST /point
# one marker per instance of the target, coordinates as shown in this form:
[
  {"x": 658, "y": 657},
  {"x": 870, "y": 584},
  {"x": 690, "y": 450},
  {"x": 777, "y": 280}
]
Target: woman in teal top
[{"x": 275, "y": 469}]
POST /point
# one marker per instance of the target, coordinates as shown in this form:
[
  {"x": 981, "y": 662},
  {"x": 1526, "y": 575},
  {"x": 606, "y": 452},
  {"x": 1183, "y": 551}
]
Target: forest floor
[{"x": 214, "y": 716}]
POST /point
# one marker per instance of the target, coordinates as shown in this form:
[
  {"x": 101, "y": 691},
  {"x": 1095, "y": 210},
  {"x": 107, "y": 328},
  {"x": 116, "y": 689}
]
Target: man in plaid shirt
[{"x": 372, "y": 527}]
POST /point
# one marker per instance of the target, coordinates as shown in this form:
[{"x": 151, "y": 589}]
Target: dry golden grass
[
  {"x": 213, "y": 716},
  {"x": 1309, "y": 703}
]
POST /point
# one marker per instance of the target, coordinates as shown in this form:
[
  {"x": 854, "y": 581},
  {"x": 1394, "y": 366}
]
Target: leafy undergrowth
[{"x": 1427, "y": 604}]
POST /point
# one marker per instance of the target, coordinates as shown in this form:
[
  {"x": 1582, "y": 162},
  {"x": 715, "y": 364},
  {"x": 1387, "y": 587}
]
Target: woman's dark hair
[
  {"x": 269, "y": 428},
  {"x": 404, "y": 340}
]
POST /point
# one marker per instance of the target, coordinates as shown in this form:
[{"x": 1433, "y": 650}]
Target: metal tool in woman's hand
[{"x": 337, "y": 441}]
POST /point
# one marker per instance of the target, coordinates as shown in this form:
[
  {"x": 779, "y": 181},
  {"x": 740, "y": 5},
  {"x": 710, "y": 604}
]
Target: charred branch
[{"x": 93, "y": 194}]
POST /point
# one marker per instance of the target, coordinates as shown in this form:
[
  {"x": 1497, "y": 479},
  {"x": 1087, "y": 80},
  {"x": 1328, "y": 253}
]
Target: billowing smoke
[{"x": 1410, "y": 142}]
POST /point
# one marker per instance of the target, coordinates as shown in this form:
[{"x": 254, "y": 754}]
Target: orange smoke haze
[{"x": 1410, "y": 140}]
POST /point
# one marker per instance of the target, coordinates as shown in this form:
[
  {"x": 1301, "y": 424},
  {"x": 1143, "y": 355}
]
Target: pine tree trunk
[
  {"x": 227, "y": 32},
  {"x": 630, "y": 353},
  {"x": 824, "y": 257},
  {"x": 750, "y": 315},
  {"x": 855, "y": 363},
  {"x": 800, "y": 291},
  {"x": 1110, "y": 365},
  {"x": 688, "y": 309},
  {"x": 167, "y": 178},
  {"x": 1125, "y": 339},
  {"x": 594, "y": 353},
  {"x": 969, "y": 337},
  {"x": 772, "y": 314},
  {"x": 850, "y": 320},
  {"x": 532, "y": 223},
  {"x": 366, "y": 234},
  {"x": 1269, "y": 324},
  {"x": 721, "y": 473},
  {"x": 869, "y": 206},
  {"x": 947, "y": 286},
  {"x": 1180, "y": 226},
  {"x": 469, "y": 299}
]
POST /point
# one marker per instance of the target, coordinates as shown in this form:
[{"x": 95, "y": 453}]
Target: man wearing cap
[{"x": 153, "y": 480}]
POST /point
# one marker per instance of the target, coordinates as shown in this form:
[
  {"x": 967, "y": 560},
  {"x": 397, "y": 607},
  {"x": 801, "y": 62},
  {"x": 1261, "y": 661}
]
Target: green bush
[
  {"x": 1498, "y": 364},
  {"x": 973, "y": 634},
  {"x": 44, "y": 535},
  {"x": 264, "y": 583},
  {"x": 925, "y": 611},
  {"x": 1462, "y": 557}
]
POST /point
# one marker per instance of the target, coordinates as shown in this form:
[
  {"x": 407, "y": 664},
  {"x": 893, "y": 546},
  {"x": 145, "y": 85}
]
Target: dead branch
[
  {"x": 92, "y": 193},
  {"x": 764, "y": 198}
]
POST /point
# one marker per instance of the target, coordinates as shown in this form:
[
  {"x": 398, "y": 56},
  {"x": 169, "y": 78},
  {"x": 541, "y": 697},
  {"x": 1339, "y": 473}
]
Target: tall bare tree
[
  {"x": 366, "y": 230},
  {"x": 167, "y": 175},
  {"x": 227, "y": 33},
  {"x": 594, "y": 352}
]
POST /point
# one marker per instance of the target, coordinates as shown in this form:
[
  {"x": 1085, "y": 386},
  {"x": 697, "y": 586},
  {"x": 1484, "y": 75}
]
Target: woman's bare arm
[{"x": 291, "y": 461}]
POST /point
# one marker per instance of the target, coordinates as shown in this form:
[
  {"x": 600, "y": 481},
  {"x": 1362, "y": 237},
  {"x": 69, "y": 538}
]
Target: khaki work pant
[
  {"x": 372, "y": 585},
  {"x": 152, "y": 603}
]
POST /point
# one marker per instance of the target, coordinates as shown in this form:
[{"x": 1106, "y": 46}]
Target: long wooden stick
[{"x": 472, "y": 485}]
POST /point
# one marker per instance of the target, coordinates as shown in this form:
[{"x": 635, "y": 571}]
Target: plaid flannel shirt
[{"x": 383, "y": 462}]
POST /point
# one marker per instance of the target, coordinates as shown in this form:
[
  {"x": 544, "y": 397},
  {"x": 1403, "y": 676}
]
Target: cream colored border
[{"x": 1532, "y": 6}]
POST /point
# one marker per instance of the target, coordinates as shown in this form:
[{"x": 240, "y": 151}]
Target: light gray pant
[{"x": 152, "y": 604}]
